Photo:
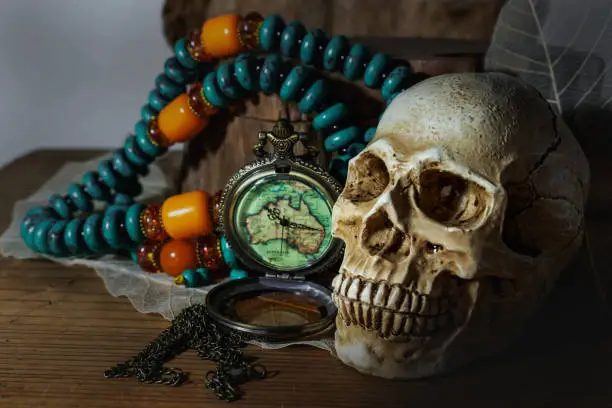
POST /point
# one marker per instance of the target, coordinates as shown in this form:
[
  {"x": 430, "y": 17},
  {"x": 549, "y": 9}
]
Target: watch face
[{"x": 283, "y": 222}]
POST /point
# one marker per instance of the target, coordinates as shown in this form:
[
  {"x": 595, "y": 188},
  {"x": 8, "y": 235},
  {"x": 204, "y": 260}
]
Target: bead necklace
[{"x": 178, "y": 237}]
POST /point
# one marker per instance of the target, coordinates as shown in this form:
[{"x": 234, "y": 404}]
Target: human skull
[{"x": 457, "y": 219}]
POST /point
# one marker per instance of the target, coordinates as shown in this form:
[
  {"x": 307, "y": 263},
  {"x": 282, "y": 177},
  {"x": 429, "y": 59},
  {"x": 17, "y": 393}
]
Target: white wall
[{"x": 75, "y": 73}]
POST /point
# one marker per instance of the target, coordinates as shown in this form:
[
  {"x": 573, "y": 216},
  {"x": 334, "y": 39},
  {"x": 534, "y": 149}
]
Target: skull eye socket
[
  {"x": 367, "y": 179},
  {"x": 450, "y": 199}
]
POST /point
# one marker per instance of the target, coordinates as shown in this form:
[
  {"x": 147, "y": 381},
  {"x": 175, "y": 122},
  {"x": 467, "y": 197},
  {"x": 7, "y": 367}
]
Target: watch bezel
[{"x": 257, "y": 170}]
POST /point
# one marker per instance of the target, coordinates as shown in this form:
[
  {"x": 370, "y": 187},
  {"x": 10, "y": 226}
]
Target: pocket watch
[{"x": 276, "y": 215}]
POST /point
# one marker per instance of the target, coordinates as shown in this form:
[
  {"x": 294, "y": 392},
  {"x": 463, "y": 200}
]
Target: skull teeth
[
  {"x": 394, "y": 297},
  {"x": 389, "y": 323},
  {"x": 390, "y": 310},
  {"x": 353, "y": 290},
  {"x": 381, "y": 296}
]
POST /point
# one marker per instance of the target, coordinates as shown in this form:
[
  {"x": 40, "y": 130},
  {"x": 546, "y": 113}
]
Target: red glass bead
[
  {"x": 248, "y": 30},
  {"x": 216, "y": 207},
  {"x": 208, "y": 250},
  {"x": 151, "y": 224},
  {"x": 198, "y": 102},
  {"x": 147, "y": 255},
  {"x": 156, "y": 135},
  {"x": 177, "y": 255},
  {"x": 195, "y": 48}
]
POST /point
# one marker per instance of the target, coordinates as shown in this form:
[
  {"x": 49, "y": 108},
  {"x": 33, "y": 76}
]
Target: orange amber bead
[
  {"x": 187, "y": 215},
  {"x": 220, "y": 36},
  {"x": 198, "y": 102},
  {"x": 151, "y": 223},
  {"x": 176, "y": 256},
  {"x": 248, "y": 30},
  {"x": 178, "y": 123},
  {"x": 208, "y": 250}
]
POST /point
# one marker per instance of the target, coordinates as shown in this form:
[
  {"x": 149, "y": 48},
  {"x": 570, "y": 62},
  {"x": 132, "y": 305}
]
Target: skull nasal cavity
[
  {"x": 367, "y": 179},
  {"x": 379, "y": 234}
]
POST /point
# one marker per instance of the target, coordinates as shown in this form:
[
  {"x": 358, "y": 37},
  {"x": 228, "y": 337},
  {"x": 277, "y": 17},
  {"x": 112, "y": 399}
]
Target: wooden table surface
[{"x": 59, "y": 331}]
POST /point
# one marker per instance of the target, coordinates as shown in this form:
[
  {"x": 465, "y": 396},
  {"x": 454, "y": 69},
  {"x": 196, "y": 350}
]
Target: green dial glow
[{"x": 284, "y": 222}]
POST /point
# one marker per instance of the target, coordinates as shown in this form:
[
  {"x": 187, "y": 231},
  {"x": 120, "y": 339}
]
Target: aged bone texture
[{"x": 457, "y": 219}]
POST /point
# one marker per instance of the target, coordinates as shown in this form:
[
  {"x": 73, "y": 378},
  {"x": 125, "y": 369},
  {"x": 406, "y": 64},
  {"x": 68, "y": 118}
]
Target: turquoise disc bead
[
  {"x": 225, "y": 81},
  {"x": 183, "y": 56},
  {"x": 176, "y": 73},
  {"x": 354, "y": 64},
  {"x": 369, "y": 134},
  {"x": 107, "y": 174},
  {"x": 92, "y": 233},
  {"x": 238, "y": 274},
  {"x": 147, "y": 113},
  {"x": 204, "y": 275},
  {"x": 212, "y": 92},
  {"x": 395, "y": 81},
  {"x": 342, "y": 138},
  {"x": 112, "y": 228},
  {"x": 58, "y": 203},
  {"x": 41, "y": 233},
  {"x": 73, "y": 236},
  {"x": 245, "y": 72},
  {"x": 354, "y": 149},
  {"x": 122, "y": 165},
  {"x": 269, "y": 77},
  {"x": 335, "y": 50},
  {"x": 167, "y": 88},
  {"x": 144, "y": 142},
  {"x": 329, "y": 116},
  {"x": 310, "y": 51},
  {"x": 57, "y": 245},
  {"x": 269, "y": 32},
  {"x": 122, "y": 200},
  {"x": 228, "y": 255},
  {"x": 134, "y": 154},
  {"x": 31, "y": 220},
  {"x": 157, "y": 101},
  {"x": 132, "y": 223},
  {"x": 192, "y": 280},
  {"x": 293, "y": 83},
  {"x": 291, "y": 37},
  {"x": 79, "y": 197},
  {"x": 338, "y": 167},
  {"x": 375, "y": 70},
  {"x": 313, "y": 98},
  {"x": 94, "y": 187}
]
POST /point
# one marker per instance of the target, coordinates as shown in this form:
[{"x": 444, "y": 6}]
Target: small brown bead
[
  {"x": 156, "y": 135},
  {"x": 198, "y": 103},
  {"x": 248, "y": 30},
  {"x": 148, "y": 256},
  {"x": 208, "y": 252},
  {"x": 195, "y": 48},
  {"x": 151, "y": 223}
]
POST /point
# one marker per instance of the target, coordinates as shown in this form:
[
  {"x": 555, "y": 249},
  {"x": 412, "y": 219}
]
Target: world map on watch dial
[{"x": 284, "y": 222}]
